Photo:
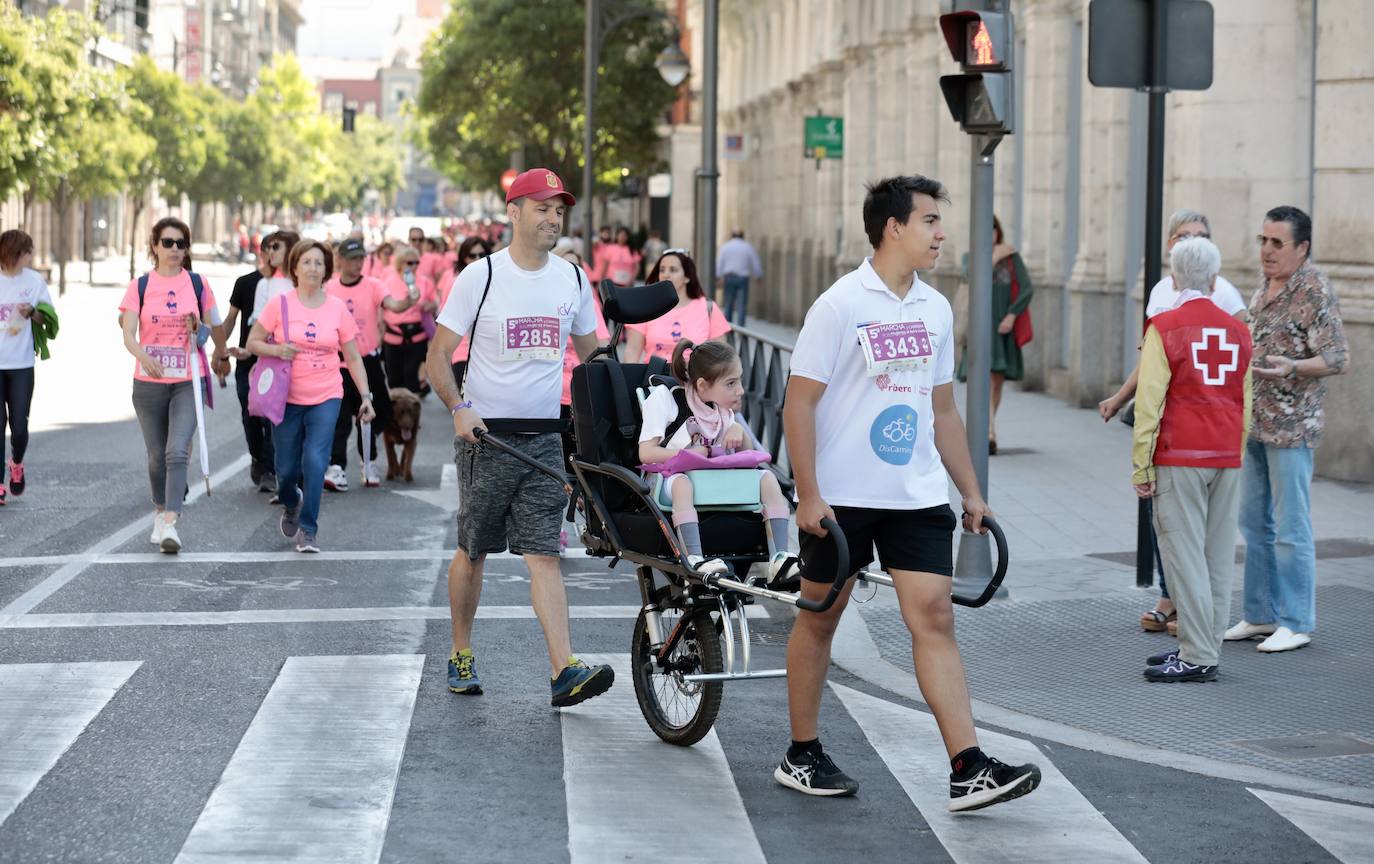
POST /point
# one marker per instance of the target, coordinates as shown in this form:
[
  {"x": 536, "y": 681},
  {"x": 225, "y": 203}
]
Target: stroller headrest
[{"x": 638, "y": 305}]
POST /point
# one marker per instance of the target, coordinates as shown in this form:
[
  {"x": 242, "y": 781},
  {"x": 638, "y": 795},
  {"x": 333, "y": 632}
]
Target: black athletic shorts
[{"x": 918, "y": 540}]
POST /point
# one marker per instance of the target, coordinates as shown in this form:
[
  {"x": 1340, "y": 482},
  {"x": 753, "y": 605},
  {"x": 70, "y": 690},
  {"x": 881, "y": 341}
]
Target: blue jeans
[
  {"x": 302, "y": 440},
  {"x": 736, "y": 292},
  {"x": 1276, "y": 521}
]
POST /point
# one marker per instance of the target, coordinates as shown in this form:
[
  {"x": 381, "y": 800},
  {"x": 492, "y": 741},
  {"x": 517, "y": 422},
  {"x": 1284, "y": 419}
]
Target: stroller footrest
[{"x": 736, "y": 676}]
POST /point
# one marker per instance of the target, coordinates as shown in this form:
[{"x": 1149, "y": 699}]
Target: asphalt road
[{"x": 240, "y": 702}]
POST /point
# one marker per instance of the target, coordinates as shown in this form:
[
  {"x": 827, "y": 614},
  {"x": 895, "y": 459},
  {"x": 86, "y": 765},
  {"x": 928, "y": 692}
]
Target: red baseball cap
[{"x": 540, "y": 184}]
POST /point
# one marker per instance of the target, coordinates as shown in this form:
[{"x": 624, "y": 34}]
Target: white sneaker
[
  {"x": 779, "y": 564},
  {"x": 708, "y": 565},
  {"x": 372, "y": 478},
  {"x": 1245, "y": 630},
  {"x": 171, "y": 543},
  {"x": 336, "y": 479},
  {"x": 1284, "y": 639},
  {"x": 155, "y": 538}
]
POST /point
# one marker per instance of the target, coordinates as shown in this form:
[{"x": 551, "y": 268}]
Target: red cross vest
[{"x": 1204, "y": 410}]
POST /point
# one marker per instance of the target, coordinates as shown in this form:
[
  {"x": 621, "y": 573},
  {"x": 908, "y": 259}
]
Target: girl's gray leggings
[{"x": 167, "y": 414}]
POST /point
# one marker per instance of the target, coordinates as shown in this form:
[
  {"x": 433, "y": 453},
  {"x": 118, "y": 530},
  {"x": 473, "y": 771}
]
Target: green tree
[
  {"x": 113, "y": 145},
  {"x": 18, "y": 98},
  {"x": 370, "y": 158},
  {"x": 175, "y": 122},
  {"x": 487, "y": 94},
  {"x": 289, "y": 106},
  {"x": 47, "y": 91}
]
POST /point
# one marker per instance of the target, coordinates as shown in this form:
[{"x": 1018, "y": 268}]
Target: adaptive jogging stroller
[{"x": 688, "y": 619}]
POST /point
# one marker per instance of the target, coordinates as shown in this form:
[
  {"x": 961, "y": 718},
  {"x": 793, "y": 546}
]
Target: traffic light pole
[
  {"x": 975, "y": 553},
  {"x": 1154, "y": 232}
]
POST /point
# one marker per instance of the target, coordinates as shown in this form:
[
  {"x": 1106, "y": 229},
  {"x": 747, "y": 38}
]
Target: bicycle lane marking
[{"x": 30, "y": 600}]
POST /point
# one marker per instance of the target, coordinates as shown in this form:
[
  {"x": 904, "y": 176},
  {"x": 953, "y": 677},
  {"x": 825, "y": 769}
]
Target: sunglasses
[
  {"x": 476, "y": 256},
  {"x": 168, "y": 243},
  {"x": 273, "y": 247},
  {"x": 675, "y": 251},
  {"x": 410, "y": 264},
  {"x": 1275, "y": 242}
]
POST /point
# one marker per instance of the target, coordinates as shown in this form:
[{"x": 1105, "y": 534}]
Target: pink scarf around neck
[{"x": 711, "y": 421}]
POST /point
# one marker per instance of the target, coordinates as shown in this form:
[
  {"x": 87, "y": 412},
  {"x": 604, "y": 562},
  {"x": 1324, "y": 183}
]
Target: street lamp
[
  {"x": 673, "y": 65},
  {"x": 603, "y": 16}
]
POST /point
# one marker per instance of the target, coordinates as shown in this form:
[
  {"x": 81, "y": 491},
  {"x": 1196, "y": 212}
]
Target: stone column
[{"x": 1343, "y": 222}]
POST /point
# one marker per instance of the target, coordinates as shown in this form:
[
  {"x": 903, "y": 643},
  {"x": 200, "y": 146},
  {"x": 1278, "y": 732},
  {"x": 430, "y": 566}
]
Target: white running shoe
[
  {"x": 171, "y": 543},
  {"x": 1284, "y": 639},
  {"x": 155, "y": 538},
  {"x": 372, "y": 478},
  {"x": 708, "y": 565},
  {"x": 1245, "y": 630},
  {"x": 336, "y": 479}
]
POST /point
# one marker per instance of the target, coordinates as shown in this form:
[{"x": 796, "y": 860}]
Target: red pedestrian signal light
[{"x": 981, "y": 99}]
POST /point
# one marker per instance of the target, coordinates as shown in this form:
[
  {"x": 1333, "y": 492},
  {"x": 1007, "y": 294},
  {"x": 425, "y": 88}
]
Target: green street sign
[{"x": 823, "y": 138}]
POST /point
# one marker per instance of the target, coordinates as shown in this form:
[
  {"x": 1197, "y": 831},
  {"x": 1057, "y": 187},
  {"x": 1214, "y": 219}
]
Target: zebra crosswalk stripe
[
  {"x": 613, "y": 764},
  {"x": 314, "y": 776},
  {"x": 44, "y": 708},
  {"x": 1055, "y": 823},
  {"x": 1344, "y": 830}
]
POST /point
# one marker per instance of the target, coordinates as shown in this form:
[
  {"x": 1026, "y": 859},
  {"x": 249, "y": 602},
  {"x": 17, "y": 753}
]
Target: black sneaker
[
  {"x": 991, "y": 783},
  {"x": 255, "y": 473},
  {"x": 1162, "y": 658},
  {"x": 1179, "y": 670},
  {"x": 268, "y": 483},
  {"x": 814, "y": 774}
]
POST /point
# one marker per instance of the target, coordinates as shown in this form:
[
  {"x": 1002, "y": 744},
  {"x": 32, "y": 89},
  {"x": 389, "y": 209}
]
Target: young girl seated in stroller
[{"x": 710, "y": 378}]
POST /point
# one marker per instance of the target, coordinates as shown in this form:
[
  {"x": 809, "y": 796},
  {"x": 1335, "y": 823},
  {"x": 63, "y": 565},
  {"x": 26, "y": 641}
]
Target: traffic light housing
[
  {"x": 348, "y": 116},
  {"x": 982, "y": 99}
]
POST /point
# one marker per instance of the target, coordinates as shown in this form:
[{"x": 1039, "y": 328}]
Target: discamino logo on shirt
[
  {"x": 171, "y": 302},
  {"x": 893, "y": 435},
  {"x": 310, "y": 332}
]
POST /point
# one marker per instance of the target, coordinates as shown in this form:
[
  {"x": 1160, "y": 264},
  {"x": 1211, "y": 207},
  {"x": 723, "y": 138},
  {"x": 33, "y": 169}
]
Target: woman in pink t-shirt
[
  {"x": 321, "y": 330},
  {"x": 619, "y": 262},
  {"x": 695, "y": 317},
  {"x": 472, "y": 250},
  {"x": 161, "y": 334},
  {"x": 405, "y": 342}
]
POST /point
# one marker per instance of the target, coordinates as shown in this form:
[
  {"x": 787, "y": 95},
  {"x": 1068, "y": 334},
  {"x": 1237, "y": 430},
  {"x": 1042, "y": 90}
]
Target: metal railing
[{"x": 765, "y": 363}]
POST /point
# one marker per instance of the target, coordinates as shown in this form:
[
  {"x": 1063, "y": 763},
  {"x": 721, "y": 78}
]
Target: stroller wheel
[{"x": 680, "y": 712}]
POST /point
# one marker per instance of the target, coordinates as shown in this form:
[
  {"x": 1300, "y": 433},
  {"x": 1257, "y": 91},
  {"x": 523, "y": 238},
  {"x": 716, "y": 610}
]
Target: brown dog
[{"x": 403, "y": 430}]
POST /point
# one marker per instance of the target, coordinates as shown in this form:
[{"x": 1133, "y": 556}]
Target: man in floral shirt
[{"x": 1295, "y": 324}]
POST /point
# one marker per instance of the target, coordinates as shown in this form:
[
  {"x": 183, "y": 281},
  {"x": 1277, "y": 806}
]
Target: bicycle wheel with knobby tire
[{"x": 680, "y": 712}]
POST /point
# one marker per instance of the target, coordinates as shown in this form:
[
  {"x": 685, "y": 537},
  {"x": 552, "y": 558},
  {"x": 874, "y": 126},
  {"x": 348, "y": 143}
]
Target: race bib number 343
[
  {"x": 532, "y": 337},
  {"x": 895, "y": 347}
]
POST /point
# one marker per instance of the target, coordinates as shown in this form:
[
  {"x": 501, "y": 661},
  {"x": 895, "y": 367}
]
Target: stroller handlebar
[
  {"x": 842, "y": 574},
  {"x": 486, "y": 438}
]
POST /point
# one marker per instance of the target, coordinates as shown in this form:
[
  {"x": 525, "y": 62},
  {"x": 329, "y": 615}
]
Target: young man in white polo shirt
[
  {"x": 517, "y": 307},
  {"x": 870, "y": 418}
]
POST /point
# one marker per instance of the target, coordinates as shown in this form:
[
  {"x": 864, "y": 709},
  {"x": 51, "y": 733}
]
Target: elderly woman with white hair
[{"x": 1192, "y": 417}]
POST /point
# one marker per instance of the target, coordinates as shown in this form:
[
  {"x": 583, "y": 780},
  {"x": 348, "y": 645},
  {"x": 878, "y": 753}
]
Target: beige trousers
[{"x": 1195, "y": 516}]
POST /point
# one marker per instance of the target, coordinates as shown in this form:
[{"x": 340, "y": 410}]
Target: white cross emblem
[{"x": 1209, "y": 356}]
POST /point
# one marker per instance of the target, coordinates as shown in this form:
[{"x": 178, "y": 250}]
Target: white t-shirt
[
  {"x": 16, "y": 331},
  {"x": 515, "y": 362},
  {"x": 875, "y": 431},
  {"x": 660, "y": 409},
  {"x": 1164, "y": 297},
  {"x": 270, "y": 288}
]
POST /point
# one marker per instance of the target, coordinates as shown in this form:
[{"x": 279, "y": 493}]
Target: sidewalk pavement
[{"x": 1066, "y": 651}]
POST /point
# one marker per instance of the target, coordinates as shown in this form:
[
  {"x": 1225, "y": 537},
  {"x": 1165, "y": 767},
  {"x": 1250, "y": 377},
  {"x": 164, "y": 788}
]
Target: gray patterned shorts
[{"x": 503, "y": 503}]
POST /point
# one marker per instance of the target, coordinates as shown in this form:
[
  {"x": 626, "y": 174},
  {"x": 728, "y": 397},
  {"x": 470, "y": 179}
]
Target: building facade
[{"x": 1286, "y": 121}]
